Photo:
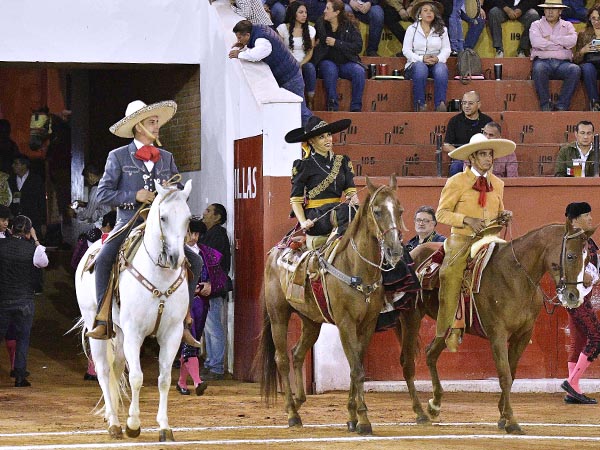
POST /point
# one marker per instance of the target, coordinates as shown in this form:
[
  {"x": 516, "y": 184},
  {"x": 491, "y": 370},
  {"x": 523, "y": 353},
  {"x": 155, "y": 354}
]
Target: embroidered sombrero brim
[
  {"x": 164, "y": 110},
  {"x": 316, "y": 127},
  {"x": 501, "y": 147}
]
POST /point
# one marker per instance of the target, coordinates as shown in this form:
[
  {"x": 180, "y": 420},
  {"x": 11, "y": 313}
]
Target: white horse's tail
[{"x": 117, "y": 384}]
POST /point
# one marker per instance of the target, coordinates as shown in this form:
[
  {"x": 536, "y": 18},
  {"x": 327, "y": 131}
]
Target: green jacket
[{"x": 565, "y": 157}]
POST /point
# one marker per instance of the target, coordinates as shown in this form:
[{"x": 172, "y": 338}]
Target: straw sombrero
[
  {"x": 137, "y": 111},
  {"x": 418, "y": 5},
  {"x": 552, "y": 4},
  {"x": 315, "y": 126},
  {"x": 501, "y": 147}
]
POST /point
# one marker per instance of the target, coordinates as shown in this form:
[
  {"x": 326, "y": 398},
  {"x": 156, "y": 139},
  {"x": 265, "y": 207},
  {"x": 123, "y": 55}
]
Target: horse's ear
[
  {"x": 187, "y": 189},
  {"x": 160, "y": 190},
  {"x": 393, "y": 183},
  {"x": 589, "y": 233},
  {"x": 370, "y": 185}
]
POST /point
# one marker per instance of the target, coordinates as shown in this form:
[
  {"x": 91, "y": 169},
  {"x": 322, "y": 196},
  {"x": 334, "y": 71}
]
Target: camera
[{"x": 596, "y": 42}]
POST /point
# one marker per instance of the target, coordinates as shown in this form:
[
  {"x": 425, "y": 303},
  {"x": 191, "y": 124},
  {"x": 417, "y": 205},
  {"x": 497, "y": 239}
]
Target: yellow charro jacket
[{"x": 459, "y": 200}]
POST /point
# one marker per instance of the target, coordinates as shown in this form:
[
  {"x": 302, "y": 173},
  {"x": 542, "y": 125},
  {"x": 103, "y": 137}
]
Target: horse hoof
[
  {"x": 433, "y": 410},
  {"x": 502, "y": 423},
  {"x": 132, "y": 433},
  {"x": 115, "y": 432},
  {"x": 423, "y": 420},
  {"x": 166, "y": 435},
  {"x": 295, "y": 422},
  {"x": 514, "y": 428},
  {"x": 364, "y": 429},
  {"x": 352, "y": 425}
]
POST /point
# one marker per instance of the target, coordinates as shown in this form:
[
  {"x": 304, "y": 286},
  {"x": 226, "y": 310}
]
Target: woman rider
[{"x": 319, "y": 179}]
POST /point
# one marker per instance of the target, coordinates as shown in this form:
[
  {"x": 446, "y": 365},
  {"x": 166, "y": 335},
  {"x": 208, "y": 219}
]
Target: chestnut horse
[
  {"x": 373, "y": 237},
  {"x": 508, "y": 303}
]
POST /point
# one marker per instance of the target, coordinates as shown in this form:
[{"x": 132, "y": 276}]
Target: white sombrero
[
  {"x": 553, "y": 4},
  {"x": 501, "y": 147},
  {"x": 137, "y": 111}
]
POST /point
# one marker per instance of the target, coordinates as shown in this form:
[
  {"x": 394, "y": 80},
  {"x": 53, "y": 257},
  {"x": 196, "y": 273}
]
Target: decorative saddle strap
[
  {"x": 354, "y": 282},
  {"x": 335, "y": 170}
]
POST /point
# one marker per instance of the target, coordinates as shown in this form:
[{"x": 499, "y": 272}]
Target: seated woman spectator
[
  {"x": 588, "y": 56},
  {"x": 336, "y": 55},
  {"x": 299, "y": 36},
  {"x": 427, "y": 48}
]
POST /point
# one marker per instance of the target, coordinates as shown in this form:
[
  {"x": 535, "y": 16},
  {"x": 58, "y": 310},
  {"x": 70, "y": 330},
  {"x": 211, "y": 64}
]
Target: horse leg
[
  {"x": 310, "y": 334},
  {"x": 407, "y": 333},
  {"x": 132, "y": 344},
  {"x": 354, "y": 348},
  {"x": 169, "y": 341},
  {"x": 434, "y": 350},
  {"x": 517, "y": 345},
  {"x": 99, "y": 350}
]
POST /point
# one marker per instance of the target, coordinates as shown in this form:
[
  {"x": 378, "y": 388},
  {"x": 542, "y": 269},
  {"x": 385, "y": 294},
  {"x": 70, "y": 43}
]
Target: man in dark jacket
[
  {"x": 260, "y": 43},
  {"x": 20, "y": 255},
  {"x": 502, "y": 10},
  {"x": 29, "y": 193}
]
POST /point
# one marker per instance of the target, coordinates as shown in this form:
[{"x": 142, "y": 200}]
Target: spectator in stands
[
  {"x": 463, "y": 126},
  {"x": 425, "y": 223},
  {"x": 20, "y": 255},
  {"x": 584, "y": 326},
  {"x": 580, "y": 149},
  {"x": 261, "y": 43},
  {"x": 299, "y": 36},
  {"x": 253, "y": 10},
  {"x": 371, "y": 13},
  {"x": 506, "y": 166},
  {"x": 278, "y": 10},
  {"x": 502, "y": 10},
  {"x": 552, "y": 41},
  {"x": 588, "y": 56},
  {"x": 575, "y": 11},
  {"x": 315, "y": 9},
  {"x": 427, "y": 48},
  {"x": 455, "y": 30},
  {"x": 393, "y": 12},
  {"x": 336, "y": 55}
]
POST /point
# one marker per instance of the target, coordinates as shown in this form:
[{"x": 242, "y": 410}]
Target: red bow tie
[
  {"x": 482, "y": 185},
  {"x": 148, "y": 153}
]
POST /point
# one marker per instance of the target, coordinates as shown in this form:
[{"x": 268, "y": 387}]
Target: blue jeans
[
  {"x": 309, "y": 73},
  {"x": 330, "y": 72},
  {"x": 455, "y": 31},
  {"x": 374, "y": 18},
  {"x": 277, "y": 13},
  {"x": 296, "y": 85},
  {"x": 214, "y": 337},
  {"x": 545, "y": 70},
  {"x": 590, "y": 81},
  {"x": 418, "y": 73},
  {"x": 20, "y": 315}
]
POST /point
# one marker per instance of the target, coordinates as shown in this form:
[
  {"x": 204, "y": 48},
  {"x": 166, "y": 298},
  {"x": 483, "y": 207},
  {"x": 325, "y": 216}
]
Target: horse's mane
[
  {"x": 530, "y": 232},
  {"x": 355, "y": 223}
]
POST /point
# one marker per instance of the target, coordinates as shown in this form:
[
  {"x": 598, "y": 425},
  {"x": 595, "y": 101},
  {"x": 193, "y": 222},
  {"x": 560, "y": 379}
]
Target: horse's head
[
  {"x": 167, "y": 225},
  {"x": 40, "y": 128},
  {"x": 384, "y": 213},
  {"x": 573, "y": 259}
]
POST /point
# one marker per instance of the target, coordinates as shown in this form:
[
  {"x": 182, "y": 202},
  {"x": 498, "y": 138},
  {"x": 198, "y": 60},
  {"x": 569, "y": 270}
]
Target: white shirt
[
  {"x": 21, "y": 180},
  {"x": 298, "y": 43},
  {"x": 149, "y": 164},
  {"x": 584, "y": 157},
  {"x": 416, "y": 45},
  {"x": 262, "y": 49},
  {"x": 40, "y": 259}
]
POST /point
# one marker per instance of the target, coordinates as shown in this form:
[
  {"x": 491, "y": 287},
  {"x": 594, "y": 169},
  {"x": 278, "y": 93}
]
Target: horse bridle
[{"x": 380, "y": 235}]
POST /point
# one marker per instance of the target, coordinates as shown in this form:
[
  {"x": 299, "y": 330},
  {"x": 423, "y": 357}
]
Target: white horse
[{"x": 160, "y": 270}]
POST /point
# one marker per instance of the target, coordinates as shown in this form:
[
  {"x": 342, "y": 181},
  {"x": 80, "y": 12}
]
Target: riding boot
[
  {"x": 101, "y": 330},
  {"x": 187, "y": 337}
]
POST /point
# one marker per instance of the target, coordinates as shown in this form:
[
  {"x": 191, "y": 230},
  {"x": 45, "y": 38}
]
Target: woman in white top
[
  {"x": 427, "y": 48},
  {"x": 299, "y": 36}
]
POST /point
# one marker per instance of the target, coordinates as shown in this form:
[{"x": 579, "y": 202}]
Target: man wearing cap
[
  {"x": 470, "y": 201},
  {"x": 552, "y": 41},
  {"x": 320, "y": 178},
  {"x": 584, "y": 325},
  {"x": 128, "y": 183}
]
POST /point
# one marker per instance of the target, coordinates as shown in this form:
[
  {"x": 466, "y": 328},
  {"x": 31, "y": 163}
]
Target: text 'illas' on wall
[{"x": 245, "y": 182}]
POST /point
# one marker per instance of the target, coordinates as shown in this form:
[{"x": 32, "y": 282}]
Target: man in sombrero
[
  {"x": 320, "y": 179},
  {"x": 128, "y": 183},
  {"x": 470, "y": 201}
]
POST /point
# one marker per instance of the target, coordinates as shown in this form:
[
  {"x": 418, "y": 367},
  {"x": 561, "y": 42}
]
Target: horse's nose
[{"x": 573, "y": 299}]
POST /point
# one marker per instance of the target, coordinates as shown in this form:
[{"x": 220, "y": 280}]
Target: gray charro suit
[{"x": 124, "y": 175}]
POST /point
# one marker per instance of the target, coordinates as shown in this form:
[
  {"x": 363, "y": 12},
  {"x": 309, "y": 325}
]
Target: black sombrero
[{"x": 315, "y": 127}]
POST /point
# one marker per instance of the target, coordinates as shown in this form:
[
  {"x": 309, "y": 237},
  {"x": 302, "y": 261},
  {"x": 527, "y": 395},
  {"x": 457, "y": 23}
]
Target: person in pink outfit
[{"x": 583, "y": 322}]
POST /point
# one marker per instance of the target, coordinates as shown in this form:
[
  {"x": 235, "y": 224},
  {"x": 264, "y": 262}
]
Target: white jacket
[{"x": 416, "y": 45}]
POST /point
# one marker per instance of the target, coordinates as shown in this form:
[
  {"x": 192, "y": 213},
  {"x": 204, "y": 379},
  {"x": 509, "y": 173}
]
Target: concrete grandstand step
[{"x": 527, "y": 127}]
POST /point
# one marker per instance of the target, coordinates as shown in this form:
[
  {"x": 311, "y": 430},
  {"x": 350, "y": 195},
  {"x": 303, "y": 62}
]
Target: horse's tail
[{"x": 264, "y": 362}]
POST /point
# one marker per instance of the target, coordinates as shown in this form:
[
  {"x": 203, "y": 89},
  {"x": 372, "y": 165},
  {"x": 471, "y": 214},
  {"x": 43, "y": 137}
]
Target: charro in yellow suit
[{"x": 470, "y": 201}]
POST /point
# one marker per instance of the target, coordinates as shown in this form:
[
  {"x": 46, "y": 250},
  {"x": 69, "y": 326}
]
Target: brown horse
[
  {"x": 508, "y": 303},
  {"x": 372, "y": 238}
]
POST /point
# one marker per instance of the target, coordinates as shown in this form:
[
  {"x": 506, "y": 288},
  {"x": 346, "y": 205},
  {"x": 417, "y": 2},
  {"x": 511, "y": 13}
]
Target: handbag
[{"x": 592, "y": 57}]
